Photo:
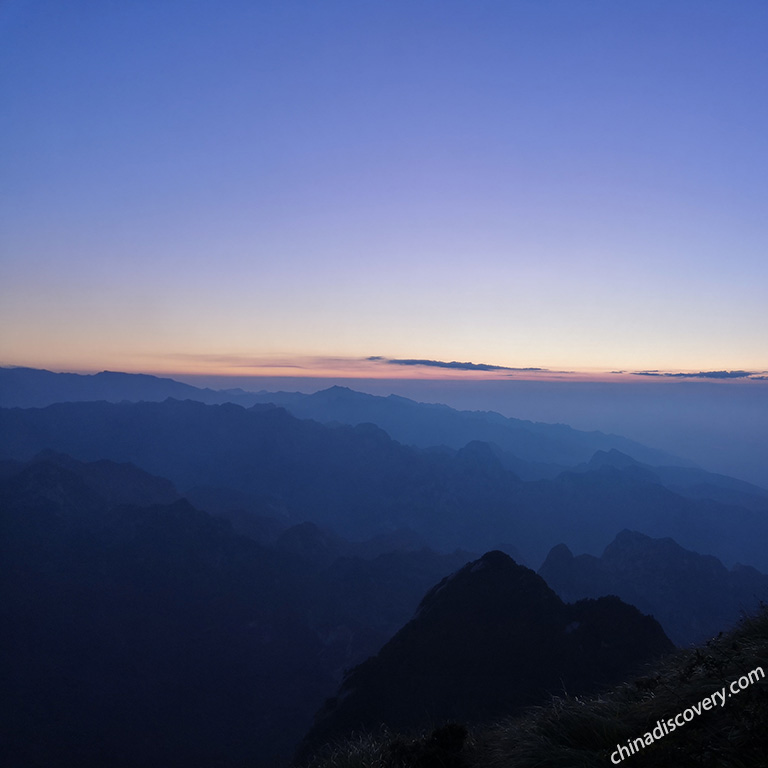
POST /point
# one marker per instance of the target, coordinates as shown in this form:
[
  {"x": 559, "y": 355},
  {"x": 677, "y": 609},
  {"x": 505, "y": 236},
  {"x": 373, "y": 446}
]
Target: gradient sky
[{"x": 231, "y": 186}]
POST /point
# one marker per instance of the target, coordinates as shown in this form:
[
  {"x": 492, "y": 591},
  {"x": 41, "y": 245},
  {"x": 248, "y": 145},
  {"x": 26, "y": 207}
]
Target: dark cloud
[
  {"x": 453, "y": 365},
  {"x": 699, "y": 375}
]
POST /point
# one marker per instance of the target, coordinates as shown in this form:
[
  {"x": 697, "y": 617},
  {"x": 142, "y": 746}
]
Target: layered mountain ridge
[
  {"x": 693, "y": 596},
  {"x": 206, "y": 573},
  {"x": 531, "y": 449},
  {"x": 138, "y": 630},
  {"x": 361, "y": 483}
]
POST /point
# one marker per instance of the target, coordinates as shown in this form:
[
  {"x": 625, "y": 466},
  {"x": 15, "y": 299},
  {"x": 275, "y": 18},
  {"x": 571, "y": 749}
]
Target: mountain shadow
[
  {"x": 485, "y": 641},
  {"x": 144, "y": 635},
  {"x": 703, "y": 706},
  {"x": 138, "y": 630}
]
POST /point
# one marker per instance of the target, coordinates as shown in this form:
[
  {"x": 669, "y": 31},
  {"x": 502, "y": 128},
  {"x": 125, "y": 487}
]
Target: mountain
[
  {"x": 533, "y": 450},
  {"x": 530, "y": 449},
  {"x": 109, "y": 482},
  {"x": 485, "y": 641},
  {"x": 355, "y": 480},
  {"x": 143, "y": 635},
  {"x": 36, "y": 388},
  {"x": 358, "y": 603},
  {"x": 360, "y": 483},
  {"x": 693, "y": 596},
  {"x": 703, "y": 706},
  {"x": 583, "y": 505},
  {"x": 691, "y": 482},
  {"x": 137, "y": 630}
]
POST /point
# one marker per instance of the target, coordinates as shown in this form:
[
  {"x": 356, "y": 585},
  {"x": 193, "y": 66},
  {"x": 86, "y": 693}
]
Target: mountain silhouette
[
  {"x": 693, "y": 596},
  {"x": 531, "y": 449},
  {"x": 359, "y": 483},
  {"x": 144, "y": 635},
  {"x": 37, "y": 388},
  {"x": 687, "y": 481},
  {"x": 485, "y": 641},
  {"x": 138, "y": 630}
]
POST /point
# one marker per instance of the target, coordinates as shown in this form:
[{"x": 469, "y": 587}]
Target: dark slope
[
  {"x": 144, "y": 635},
  {"x": 487, "y": 640},
  {"x": 693, "y": 596},
  {"x": 111, "y": 483},
  {"x": 357, "y": 604},
  {"x": 137, "y": 632},
  {"x": 586, "y": 732},
  {"x": 360, "y": 483}
]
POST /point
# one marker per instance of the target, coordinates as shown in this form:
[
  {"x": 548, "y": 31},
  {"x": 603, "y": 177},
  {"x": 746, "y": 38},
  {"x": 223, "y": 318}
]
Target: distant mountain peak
[
  {"x": 626, "y": 537},
  {"x": 627, "y": 542},
  {"x": 613, "y": 458},
  {"x": 339, "y": 392},
  {"x": 693, "y": 595}
]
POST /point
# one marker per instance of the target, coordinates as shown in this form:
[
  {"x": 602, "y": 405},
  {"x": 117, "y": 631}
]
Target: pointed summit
[
  {"x": 486, "y": 640},
  {"x": 612, "y": 458}
]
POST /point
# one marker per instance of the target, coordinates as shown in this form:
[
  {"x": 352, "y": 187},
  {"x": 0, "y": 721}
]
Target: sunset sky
[{"x": 276, "y": 188}]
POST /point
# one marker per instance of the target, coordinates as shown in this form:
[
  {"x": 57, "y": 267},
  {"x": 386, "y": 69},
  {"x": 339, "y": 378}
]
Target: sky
[{"x": 331, "y": 188}]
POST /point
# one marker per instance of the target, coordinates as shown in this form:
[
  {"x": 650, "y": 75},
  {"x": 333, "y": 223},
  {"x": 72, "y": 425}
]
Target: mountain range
[
  {"x": 693, "y": 596},
  {"x": 360, "y": 483},
  {"x": 138, "y": 630},
  {"x": 529, "y": 447},
  {"x": 188, "y": 578}
]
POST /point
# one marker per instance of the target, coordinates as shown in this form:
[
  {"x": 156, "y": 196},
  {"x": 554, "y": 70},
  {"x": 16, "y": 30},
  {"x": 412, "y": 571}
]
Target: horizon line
[{"x": 408, "y": 369}]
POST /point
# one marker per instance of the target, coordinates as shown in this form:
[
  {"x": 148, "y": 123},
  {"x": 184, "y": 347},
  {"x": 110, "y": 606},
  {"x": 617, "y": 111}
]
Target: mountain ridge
[
  {"x": 530, "y": 445},
  {"x": 693, "y": 595},
  {"x": 329, "y": 474}
]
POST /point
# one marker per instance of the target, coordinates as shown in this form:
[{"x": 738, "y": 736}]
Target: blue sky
[{"x": 293, "y": 187}]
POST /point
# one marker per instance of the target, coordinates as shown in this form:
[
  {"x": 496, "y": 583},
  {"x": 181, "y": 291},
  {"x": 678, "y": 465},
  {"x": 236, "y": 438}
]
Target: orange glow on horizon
[{"x": 309, "y": 367}]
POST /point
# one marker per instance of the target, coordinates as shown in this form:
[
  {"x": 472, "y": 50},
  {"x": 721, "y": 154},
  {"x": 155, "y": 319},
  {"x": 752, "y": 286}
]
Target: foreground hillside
[{"x": 716, "y": 696}]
